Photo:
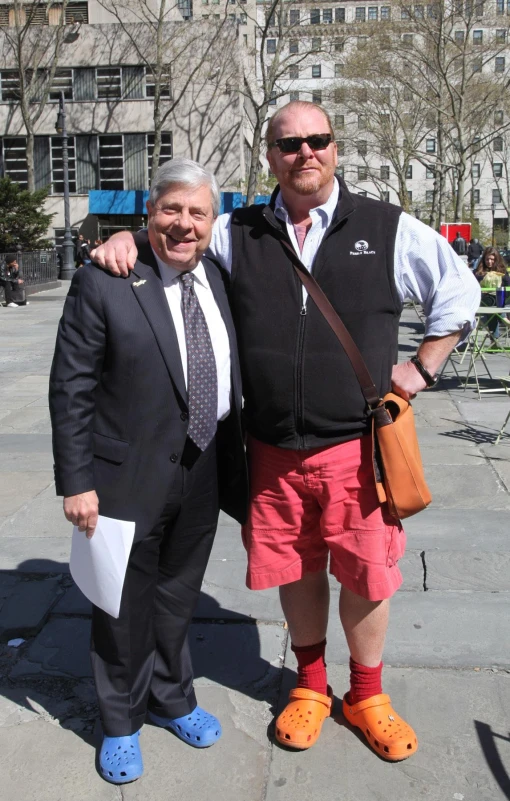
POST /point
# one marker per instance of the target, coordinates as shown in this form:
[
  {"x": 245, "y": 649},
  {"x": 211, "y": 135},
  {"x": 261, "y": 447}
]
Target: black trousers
[{"x": 141, "y": 660}]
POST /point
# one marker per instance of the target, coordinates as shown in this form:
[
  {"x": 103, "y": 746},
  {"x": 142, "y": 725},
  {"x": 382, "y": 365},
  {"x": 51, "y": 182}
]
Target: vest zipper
[{"x": 300, "y": 416}]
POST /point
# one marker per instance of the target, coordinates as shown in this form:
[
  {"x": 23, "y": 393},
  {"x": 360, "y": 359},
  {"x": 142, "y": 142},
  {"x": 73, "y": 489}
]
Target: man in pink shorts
[{"x": 312, "y": 487}]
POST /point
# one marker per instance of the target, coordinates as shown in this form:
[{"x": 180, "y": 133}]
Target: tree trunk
[
  {"x": 30, "y": 161},
  {"x": 459, "y": 195},
  {"x": 254, "y": 160}
]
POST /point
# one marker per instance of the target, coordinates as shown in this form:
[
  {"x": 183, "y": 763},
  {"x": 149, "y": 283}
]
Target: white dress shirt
[
  {"x": 426, "y": 268},
  {"x": 217, "y": 329}
]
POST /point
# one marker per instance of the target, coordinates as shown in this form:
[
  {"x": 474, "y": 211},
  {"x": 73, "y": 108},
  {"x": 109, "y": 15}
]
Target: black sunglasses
[{"x": 292, "y": 144}]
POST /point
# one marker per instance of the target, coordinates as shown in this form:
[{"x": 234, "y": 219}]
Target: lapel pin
[{"x": 139, "y": 283}]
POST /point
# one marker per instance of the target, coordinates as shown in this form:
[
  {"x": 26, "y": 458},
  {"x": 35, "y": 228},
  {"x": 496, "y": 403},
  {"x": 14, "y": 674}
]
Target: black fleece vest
[{"x": 299, "y": 387}]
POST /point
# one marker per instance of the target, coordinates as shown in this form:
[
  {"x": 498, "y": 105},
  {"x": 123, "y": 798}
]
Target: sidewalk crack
[{"x": 424, "y": 563}]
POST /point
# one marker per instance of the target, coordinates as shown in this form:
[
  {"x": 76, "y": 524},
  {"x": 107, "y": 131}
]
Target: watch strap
[{"x": 430, "y": 380}]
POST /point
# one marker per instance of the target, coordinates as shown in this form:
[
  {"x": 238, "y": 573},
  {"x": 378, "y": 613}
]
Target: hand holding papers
[{"x": 98, "y": 565}]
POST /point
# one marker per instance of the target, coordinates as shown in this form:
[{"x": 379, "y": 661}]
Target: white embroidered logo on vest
[{"x": 361, "y": 248}]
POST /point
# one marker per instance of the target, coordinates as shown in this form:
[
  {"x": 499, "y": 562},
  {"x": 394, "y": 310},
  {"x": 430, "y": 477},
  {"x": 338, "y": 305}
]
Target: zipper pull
[{"x": 303, "y": 310}]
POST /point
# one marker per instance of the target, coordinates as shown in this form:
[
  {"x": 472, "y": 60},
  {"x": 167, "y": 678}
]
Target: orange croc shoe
[
  {"x": 390, "y": 736},
  {"x": 300, "y": 723}
]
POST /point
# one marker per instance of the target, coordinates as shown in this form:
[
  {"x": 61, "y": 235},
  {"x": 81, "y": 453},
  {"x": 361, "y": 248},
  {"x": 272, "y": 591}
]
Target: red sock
[
  {"x": 365, "y": 681},
  {"x": 312, "y": 667}
]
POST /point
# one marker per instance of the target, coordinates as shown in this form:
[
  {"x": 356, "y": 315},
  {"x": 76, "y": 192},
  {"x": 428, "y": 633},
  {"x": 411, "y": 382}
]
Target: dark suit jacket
[{"x": 118, "y": 399}]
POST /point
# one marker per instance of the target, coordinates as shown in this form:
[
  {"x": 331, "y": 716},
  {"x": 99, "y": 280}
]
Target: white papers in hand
[{"x": 99, "y": 565}]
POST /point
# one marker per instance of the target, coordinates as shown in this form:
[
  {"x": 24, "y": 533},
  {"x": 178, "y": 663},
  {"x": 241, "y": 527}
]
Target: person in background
[
  {"x": 14, "y": 284},
  {"x": 474, "y": 252},
  {"x": 459, "y": 244},
  {"x": 491, "y": 262},
  {"x": 491, "y": 273}
]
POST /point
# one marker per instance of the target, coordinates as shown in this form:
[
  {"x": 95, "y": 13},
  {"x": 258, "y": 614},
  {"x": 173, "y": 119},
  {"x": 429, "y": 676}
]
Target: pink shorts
[{"x": 306, "y": 504}]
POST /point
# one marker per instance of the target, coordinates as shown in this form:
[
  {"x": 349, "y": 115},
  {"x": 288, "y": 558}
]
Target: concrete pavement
[{"x": 447, "y": 656}]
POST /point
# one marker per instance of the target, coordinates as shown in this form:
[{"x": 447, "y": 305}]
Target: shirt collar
[
  {"x": 169, "y": 275},
  {"x": 326, "y": 211}
]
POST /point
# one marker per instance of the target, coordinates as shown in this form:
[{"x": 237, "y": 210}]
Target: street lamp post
[
  {"x": 417, "y": 213},
  {"x": 493, "y": 210},
  {"x": 68, "y": 268}
]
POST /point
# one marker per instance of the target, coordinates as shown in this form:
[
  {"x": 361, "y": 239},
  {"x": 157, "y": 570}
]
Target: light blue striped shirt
[{"x": 426, "y": 268}]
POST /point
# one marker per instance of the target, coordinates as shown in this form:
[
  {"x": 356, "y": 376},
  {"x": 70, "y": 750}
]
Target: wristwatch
[{"x": 430, "y": 380}]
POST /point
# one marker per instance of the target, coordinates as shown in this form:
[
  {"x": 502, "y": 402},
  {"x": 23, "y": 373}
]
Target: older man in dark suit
[{"x": 145, "y": 399}]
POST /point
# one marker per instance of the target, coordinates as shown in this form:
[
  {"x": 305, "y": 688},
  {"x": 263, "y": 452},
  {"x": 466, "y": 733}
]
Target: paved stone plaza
[{"x": 447, "y": 655}]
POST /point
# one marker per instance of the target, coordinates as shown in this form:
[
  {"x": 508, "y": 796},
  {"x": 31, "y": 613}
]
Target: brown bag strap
[{"x": 366, "y": 383}]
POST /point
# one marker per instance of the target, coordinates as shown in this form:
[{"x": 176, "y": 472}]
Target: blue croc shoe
[
  {"x": 120, "y": 759},
  {"x": 199, "y": 728}
]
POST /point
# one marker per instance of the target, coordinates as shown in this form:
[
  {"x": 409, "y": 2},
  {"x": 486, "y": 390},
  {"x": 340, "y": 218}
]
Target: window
[
  {"x": 500, "y": 6},
  {"x": 316, "y": 71},
  {"x": 496, "y": 196},
  {"x": 430, "y": 145},
  {"x": 385, "y": 173},
  {"x": 475, "y": 171},
  {"x": 362, "y": 41},
  {"x": 315, "y": 16},
  {"x": 360, "y": 15},
  {"x": 271, "y": 19},
  {"x": 294, "y": 46},
  {"x": 407, "y": 39},
  {"x": 476, "y": 196},
  {"x": 477, "y": 37},
  {"x": 409, "y": 196},
  {"x": 108, "y": 81},
  {"x": 272, "y": 99},
  {"x": 478, "y": 8},
  {"x": 270, "y": 45},
  {"x": 316, "y": 44},
  {"x": 339, "y": 69},
  {"x": 294, "y": 72},
  {"x": 362, "y": 122},
  {"x": 294, "y": 16},
  {"x": 150, "y": 84},
  {"x": 317, "y": 97},
  {"x": 15, "y": 159},
  {"x": 385, "y": 12},
  {"x": 57, "y": 167},
  {"x": 419, "y": 12},
  {"x": 293, "y": 96},
  {"x": 497, "y": 170},
  {"x": 340, "y": 146},
  {"x": 111, "y": 162},
  {"x": 385, "y": 197},
  {"x": 429, "y": 196},
  {"x": 430, "y": 172},
  {"x": 405, "y": 13},
  {"x": 499, "y": 64},
  {"x": 386, "y": 93},
  {"x": 362, "y": 94},
  {"x": 408, "y": 94},
  {"x": 327, "y": 16},
  {"x": 166, "y": 149},
  {"x": 243, "y": 19},
  {"x": 409, "y": 171},
  {"x": 362, "y": 147},
  {"x": 10, "y": 85},
  {"x": 459, "y": 37},
  {"x": 497, "y": 144},
  {"x": 373, "y": 13},
  {"x": 339, "y": 14},
  {"x": 77, "y": 12},
  {"x": 477, "y": 65},
  {"x": 339, "y": 95},
  {"x": 501, "y": 36},
  {"x": 339, "y": 121},
  {"x": 430, "y": 119},
  {"x": 433, "y": 11},
  {"x": 498, "y": 118},
  {"x": 362, "y": 173}
]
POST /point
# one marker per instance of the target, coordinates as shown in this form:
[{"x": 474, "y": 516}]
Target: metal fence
[{"x": 37, "y": 266}]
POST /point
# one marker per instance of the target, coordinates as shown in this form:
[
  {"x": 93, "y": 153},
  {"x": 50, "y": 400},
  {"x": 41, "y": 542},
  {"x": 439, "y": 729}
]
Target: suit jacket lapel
[{"x": 149, "y": 291}]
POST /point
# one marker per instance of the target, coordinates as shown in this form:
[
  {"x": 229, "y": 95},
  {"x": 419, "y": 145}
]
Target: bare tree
[
  {"x": 175, "y": 55},
  {"x": 31, "y": 47}
]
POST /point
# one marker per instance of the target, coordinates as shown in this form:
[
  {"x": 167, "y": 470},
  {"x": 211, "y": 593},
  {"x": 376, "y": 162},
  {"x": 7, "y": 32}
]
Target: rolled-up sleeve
[{"x": 428, "y": 270}]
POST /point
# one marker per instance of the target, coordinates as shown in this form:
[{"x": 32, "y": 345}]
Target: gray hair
[{"x": 184, "y": 172}]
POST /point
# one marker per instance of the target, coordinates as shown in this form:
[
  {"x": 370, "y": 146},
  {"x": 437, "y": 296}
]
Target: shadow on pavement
[{"x": 487, "y": 739}]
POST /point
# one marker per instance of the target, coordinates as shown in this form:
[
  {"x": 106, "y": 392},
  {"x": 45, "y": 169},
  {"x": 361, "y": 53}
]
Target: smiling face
[
  {"x": 180, "y": 225},
  {"x": 307, "y": 172}
]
